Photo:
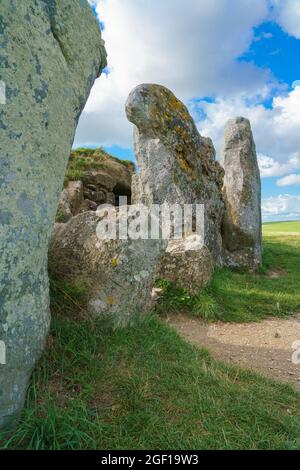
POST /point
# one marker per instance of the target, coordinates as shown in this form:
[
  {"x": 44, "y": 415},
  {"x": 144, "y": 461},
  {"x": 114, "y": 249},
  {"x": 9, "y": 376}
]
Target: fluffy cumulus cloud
[
  {"x": 191, "y": 48},
  {"x": 194, "y": 49},
  {"x": 287, "y": 14},
  {"x": 269, "y": 167},
  {"x": 276, "y": 129},
  {"x": 289, "y": 180},
  {"x": 282, "y": 207}
]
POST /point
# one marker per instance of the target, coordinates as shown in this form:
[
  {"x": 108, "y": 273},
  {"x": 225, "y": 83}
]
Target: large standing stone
[
  {"x": 177, "y": 165},
  {"x": 51, "y": 52},
  {"x": 242, "y": 229},
  {"x": 118, "y": 274}
]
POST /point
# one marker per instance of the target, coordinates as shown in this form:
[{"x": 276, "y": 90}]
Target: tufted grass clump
[
  {"x": 178, "y": 300},
  {"x": 66, "y": 296}
]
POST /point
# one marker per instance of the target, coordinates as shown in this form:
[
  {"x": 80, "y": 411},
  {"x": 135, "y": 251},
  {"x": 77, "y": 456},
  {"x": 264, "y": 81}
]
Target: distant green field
[{"x": 289, "y": 227}]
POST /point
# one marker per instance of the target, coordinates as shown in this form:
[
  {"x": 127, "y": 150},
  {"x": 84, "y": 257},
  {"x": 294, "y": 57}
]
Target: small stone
[
  {"x": 92, "y": 187},
  {"x": 87, "y": 205},
  {"x": 99, "y": 197},
  {"x": 187, "y": 266},
  {"x": 156, "y": 294}
]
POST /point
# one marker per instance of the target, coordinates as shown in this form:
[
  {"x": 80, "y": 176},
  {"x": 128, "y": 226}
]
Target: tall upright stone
[
  {"x": 176, "y": 164},
  {"x": 50, "y": 54},
  {"x": 242, "y": 227}
]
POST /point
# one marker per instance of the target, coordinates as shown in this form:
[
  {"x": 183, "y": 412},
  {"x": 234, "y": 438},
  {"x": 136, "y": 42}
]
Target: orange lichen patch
[
  {"x": 182, "y": 133},
  {"x": 169, "y": 105},
  {"x": 110, "y": 301},
  {"x": 114, "y": 262},
  {"x": 206, "y": 168},
  {"x": 184, "y": 165}
]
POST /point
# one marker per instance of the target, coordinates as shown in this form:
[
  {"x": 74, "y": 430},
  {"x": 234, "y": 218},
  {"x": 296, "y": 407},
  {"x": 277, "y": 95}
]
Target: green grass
[
  {"x": 273, "y": 227},
  {"x": 84, "y": 159},
  {"x": 243, "y": 297},
  {"x": 146, "y": 388}
]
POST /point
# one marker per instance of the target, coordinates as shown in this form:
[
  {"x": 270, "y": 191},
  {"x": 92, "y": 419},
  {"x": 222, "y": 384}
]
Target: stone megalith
[
  {"x": 50, "y": 54},
  {"x": 118, "y": 274},
  {"x": 176, "y": 164},
  {"x": 242, "y": 227}
]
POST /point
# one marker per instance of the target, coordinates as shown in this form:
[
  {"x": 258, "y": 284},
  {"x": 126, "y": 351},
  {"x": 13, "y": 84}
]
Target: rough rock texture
[
  {"x": 87, "y": 205},
  {"x": 187, "y": 264},
  {"x": 71, "y": 201},
  {"x": 50, "y": 54},
  {"x": 118, "y": 274},
  {"x": 242, "y": 228},
  {"x": 176, "y": 164},
  {"x": 112, "y": 178},
  {"x": 103, "y": 180}
]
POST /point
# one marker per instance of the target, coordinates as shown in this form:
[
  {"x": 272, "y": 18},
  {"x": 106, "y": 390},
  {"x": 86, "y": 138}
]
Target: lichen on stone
[{"x": 45, "y": 95}]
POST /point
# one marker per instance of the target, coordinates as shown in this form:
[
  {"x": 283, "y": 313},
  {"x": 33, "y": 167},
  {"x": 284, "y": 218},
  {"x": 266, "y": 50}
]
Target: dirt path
[{"x": 265, "y": 347}]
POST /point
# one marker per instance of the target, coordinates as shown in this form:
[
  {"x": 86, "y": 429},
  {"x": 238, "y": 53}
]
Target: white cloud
[
  {"x": 192, "y": 48},
  {"x": 270, "y": 167},
  {"x": 287, "y": 14},
  {"x": 289, "y": 180},
  {"x": 276, "y": 130},
  {"x": 282, "y": 207}
]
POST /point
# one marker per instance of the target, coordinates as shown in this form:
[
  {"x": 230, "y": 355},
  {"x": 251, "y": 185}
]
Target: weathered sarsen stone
[
  {"x": 177, "y": 165},
  {"x": 187, "y": 264},
  {"x": 242, "y": 228},
  {"x": 50, "y": 54},
  {"x": 118, "y": 274}
]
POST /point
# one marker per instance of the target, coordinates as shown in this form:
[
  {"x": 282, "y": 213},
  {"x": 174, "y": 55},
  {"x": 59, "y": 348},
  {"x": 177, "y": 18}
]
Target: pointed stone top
[
  {"x": 155, "y": 109},
  {"x": 158, "y": 114},
  {"x": 239, "y": 120},
  {"x": 237, "y": 132}
]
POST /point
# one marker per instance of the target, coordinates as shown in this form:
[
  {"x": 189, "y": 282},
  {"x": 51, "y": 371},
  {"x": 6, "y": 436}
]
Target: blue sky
[
  {"x": 222, "y": 61},
  {"x": 279, "y": 52}
]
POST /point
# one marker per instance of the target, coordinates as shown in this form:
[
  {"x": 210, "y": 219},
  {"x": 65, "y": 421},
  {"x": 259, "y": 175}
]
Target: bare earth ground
[{"x": 265, "y": 347}]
